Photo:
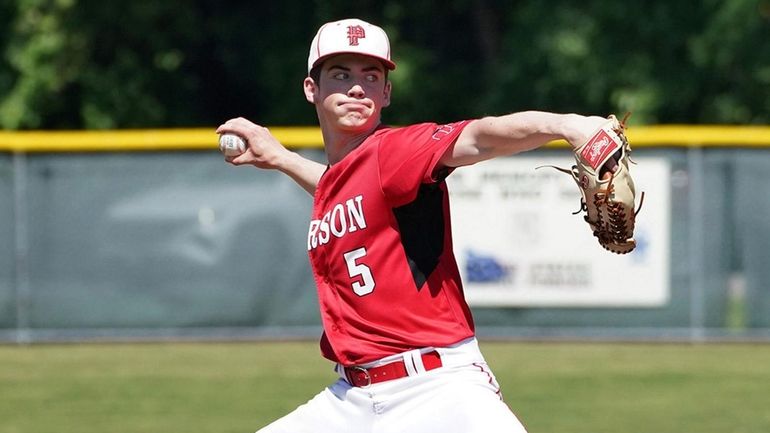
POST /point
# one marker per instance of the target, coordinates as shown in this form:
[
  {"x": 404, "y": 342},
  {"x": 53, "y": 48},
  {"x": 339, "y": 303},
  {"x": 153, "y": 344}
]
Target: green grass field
[{"x": 237, "y": 388}]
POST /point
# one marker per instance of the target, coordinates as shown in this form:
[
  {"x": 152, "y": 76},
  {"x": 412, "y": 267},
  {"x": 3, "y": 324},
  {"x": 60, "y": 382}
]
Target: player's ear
[
  {"x": 386, "y": 90},
  {"x": 311, "y": 88}
]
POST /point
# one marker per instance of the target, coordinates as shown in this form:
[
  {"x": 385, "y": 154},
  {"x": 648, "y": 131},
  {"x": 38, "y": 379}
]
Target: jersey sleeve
[{"x": 409, "y": 156}]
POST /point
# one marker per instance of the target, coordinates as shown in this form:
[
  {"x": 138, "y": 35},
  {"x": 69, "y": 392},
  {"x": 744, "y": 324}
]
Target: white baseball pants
[{"x": 461, "y": 396}]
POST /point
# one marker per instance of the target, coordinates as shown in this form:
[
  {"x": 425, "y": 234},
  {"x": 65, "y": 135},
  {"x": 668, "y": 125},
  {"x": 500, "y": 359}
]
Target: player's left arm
[{"x": 490, "y": 137}]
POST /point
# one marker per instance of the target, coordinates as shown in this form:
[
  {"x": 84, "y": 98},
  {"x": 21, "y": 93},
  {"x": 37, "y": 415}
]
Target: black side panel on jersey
[{"x": 421, "y": 224}]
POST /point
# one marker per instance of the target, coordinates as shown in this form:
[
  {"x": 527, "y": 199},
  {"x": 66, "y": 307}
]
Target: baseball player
[{"x": 396, "y": 324}]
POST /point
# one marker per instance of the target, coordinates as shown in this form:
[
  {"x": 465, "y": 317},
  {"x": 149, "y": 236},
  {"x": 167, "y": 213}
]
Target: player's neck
[{"x": 338, "y": 143}]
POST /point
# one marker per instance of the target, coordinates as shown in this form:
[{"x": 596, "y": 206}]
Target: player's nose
[{"x": 357, "y": 91}]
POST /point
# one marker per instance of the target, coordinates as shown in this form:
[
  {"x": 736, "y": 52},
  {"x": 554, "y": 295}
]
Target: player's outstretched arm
[
  {"x": 490, "y": 137},
  {"x": 266, "y": 152}
]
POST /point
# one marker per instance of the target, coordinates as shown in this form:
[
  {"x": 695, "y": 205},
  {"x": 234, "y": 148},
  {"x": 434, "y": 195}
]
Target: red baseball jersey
[{"x": 381, "y": 249}]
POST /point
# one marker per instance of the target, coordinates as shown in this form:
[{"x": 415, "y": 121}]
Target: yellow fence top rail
[
  {"x": 310, "y": 137},
  {"x": 696, "y": 136},
  {"x": 141, "y": 140}
]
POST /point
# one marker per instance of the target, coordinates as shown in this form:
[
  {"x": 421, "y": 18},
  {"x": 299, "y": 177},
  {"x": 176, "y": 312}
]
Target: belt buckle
[{"x": 366, "y": 375}]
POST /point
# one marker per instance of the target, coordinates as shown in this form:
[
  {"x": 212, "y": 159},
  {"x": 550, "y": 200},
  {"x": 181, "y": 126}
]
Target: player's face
[{"x": 352, "y": 91}]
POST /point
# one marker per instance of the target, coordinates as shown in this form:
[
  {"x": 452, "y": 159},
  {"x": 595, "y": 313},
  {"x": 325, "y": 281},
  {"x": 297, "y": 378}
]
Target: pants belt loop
[
  {"x": 409, "y": 364},
  {"x": 417, "y": 358},
  {"x": 413, "y": 362}
]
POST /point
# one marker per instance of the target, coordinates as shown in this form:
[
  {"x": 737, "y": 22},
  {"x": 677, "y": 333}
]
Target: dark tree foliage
[{"x": 98, "y": 64}]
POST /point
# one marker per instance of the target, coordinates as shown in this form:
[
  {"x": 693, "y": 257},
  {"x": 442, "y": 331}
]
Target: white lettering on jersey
[
  {"x": 337, "y": 214},
  {"x": 442, "y": 131},
  {"x": 356, "y": 212},
  {"x": 337, "y": 222},
  {"x": 324, "y": 226},
  {"x": 312, "y": 239}
]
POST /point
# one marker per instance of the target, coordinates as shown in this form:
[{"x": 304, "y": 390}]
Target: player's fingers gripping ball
[{"x": 231, "y": 145}]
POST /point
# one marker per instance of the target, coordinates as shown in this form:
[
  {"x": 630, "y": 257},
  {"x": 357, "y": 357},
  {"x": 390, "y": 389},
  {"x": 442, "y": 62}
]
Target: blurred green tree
[{"x": 101, "y": 64}]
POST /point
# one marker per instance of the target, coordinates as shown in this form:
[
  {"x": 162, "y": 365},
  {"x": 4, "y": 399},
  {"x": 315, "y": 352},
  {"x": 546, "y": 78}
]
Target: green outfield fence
[{"x": 148, "y": 235}]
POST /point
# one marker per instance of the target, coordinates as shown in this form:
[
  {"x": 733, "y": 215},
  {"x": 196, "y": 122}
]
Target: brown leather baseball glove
[{"x": 607, "y": 189}]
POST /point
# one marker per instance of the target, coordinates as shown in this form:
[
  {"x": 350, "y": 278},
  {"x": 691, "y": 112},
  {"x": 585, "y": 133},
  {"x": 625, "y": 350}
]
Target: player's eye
[
  {"x": 372, "y": 78},
  {"x": 340, "y": 76}
]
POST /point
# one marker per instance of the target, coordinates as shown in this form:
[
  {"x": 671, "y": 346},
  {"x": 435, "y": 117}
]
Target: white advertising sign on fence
[{"x": 518, "y": 244}]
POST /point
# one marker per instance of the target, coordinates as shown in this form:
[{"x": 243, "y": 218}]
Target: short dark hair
[{"x": 315, "y": 74}]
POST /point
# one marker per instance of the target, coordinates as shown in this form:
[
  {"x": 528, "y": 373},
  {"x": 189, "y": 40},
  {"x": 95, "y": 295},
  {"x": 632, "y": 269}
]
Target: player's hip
[{"x": 413, "y": 363}]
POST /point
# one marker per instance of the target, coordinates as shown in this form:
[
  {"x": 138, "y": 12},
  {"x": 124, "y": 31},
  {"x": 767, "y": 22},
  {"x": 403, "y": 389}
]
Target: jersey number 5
[{"x": 366, "y": 284}]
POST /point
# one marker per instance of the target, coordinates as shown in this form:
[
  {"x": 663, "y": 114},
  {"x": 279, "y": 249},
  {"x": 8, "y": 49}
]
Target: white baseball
[{"x": 231, "y": 145}]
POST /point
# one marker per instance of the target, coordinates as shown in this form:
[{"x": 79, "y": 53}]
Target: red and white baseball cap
[{"x": 350, "y": 36}]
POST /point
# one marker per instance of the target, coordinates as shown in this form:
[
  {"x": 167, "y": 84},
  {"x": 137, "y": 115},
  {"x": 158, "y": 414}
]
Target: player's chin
[{"x": 354, "y": 122}]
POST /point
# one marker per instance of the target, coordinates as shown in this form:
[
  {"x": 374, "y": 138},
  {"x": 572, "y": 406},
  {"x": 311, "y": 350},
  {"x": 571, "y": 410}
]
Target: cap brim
[{"x": 387, "y": 63}]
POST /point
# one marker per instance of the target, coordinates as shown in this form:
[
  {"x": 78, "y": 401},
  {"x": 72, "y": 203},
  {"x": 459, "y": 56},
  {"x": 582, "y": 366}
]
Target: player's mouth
[{"x": 355, "y": 105}]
